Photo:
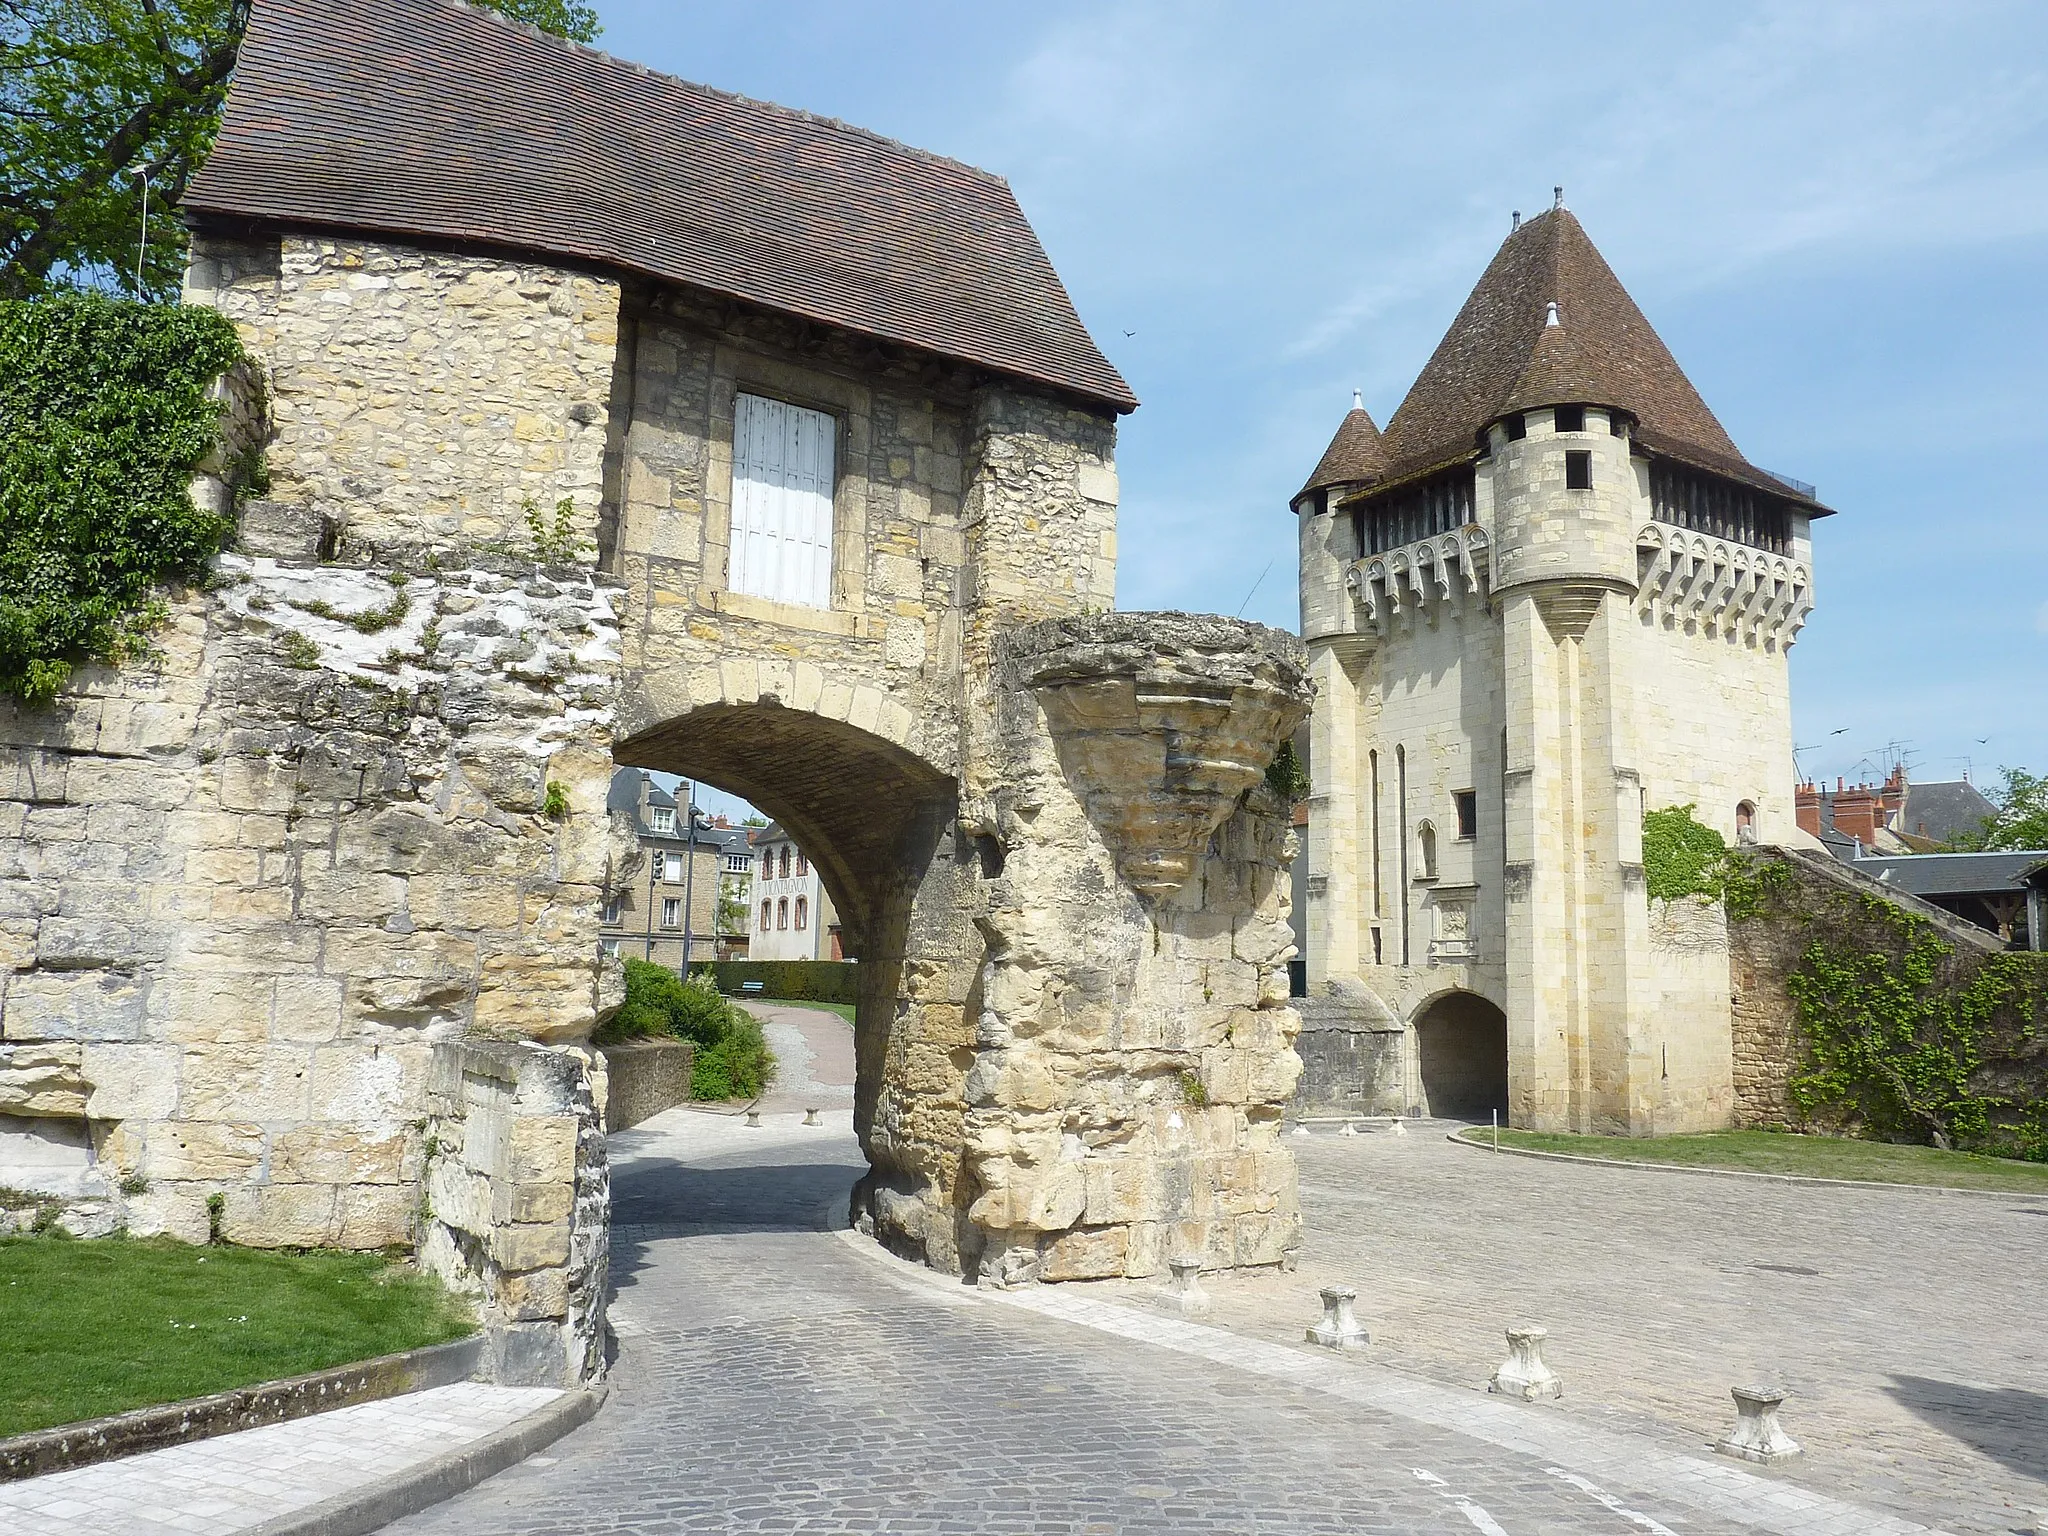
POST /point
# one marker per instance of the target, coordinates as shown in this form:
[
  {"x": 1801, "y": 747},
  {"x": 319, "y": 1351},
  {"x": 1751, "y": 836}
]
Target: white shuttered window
[{"x": 782, "y": 501}]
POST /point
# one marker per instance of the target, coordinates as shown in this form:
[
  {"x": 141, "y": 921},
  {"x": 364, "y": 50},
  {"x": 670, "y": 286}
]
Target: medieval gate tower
[{"x": 1551, "y": 597}]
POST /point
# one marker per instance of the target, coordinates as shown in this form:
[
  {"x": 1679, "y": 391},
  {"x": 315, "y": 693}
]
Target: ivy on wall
[
  {"x": 103, "y": 417},
  {"x": 1682, "y": 857},
  {"x": 1901, "y": 1036}
]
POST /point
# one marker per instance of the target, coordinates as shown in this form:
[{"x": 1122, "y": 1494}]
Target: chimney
[
  {"x": 1856, "y": 814},
  {"x": 1517, "y": 221},
  {"x": 1806, "y": 809}
]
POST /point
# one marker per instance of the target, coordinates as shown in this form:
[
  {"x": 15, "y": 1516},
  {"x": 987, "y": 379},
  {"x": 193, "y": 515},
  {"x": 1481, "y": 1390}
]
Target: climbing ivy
[
  {"x": 1285, "y": 775},
  {"x": 1901, "y": 1036},
  {"x": 103, "y": 417},
  {"x": 1682, "y": 857}
]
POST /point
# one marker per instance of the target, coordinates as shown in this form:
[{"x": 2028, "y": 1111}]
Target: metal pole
[
  {"x": 1496, "y": 1128},
  {"x": 143, "y": 245},
  {"x": 689, "y": 874}
]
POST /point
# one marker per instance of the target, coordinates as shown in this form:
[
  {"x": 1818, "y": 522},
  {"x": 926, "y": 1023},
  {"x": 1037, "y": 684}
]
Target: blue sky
[{"x": 1835, "y": 215}]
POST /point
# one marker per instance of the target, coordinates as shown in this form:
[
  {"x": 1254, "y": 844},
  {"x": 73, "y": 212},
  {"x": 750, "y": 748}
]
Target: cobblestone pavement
[
  {"x": 1909, "y": 1324},
  {"x": 234, "y": 1482},
  {"x": 776, "y": 1377}
]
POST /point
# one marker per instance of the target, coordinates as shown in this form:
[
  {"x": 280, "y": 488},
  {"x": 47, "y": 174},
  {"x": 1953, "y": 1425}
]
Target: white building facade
[
  {"x": 1552, "y": 597},
  {"x": 792, "y": 914}
]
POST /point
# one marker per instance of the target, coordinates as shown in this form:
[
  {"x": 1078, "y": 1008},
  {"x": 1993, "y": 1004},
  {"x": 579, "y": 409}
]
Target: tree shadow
[
  {"x": 702, "y": 1200},
  {"x": 2008, "y": 1424}
]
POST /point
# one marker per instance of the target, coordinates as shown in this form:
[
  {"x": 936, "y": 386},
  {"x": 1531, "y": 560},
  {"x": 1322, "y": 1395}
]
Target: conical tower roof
[
  {"x": 1502, "y": 354},
  {"x": 1355, "y": 454}
]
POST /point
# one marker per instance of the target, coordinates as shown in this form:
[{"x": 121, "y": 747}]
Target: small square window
[
  {"x": 1578, "y": 470},
  {"x": 1571, "y": 418},
  {"x": 1617, "y": 424},
  {"x": 1516, "y": 427},
  {"x": 1468, "y": 812}
]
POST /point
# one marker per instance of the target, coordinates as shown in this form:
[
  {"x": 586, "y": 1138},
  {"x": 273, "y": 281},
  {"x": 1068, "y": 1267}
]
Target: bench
[{"x": 753, "y": 987}]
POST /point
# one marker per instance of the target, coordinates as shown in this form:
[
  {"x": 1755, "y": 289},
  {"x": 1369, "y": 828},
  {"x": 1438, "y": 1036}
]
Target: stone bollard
[
  {"x": 753, "y": 1119},
  {"x": 1758, "y": 1436},
  {"x": 1339, "y": 1328},
  {"x": 810, "y": 1117},
  {"x": 1399, "y": 1129},
  {"x": 1187, "y": 1287},
  {"x": 1350, "y": 1129},
  {"x": 1300, "y": 1130},
  {"x": 1524, "y": 1373}
]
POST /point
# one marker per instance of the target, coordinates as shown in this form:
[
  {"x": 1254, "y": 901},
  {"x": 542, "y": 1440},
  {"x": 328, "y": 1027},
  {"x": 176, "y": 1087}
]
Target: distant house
[
  {"x": 1897, "y": 816},
  {"x": 2005, "y": 892},
  {"x": 792, "y": 913},
  {"x": 664, "y": 907}
]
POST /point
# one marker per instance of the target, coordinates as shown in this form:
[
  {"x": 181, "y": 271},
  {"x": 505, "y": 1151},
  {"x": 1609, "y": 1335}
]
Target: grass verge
[
  {"x": 844, "y": 1010},
  {"x": 100, "y": 1327},
  {"x": 1816, "y": 1157}
]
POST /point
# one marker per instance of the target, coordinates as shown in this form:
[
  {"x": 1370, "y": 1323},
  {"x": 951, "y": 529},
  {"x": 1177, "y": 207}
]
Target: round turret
[{"x": 1564, "y": 498}]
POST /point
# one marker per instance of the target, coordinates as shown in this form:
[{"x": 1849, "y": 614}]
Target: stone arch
[
  {"x": 879, "y": 824},
  {"x": 1461, "y": 1053}
]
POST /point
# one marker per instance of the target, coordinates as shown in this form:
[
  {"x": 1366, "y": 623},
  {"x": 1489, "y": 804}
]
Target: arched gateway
[{"x": 613, "y": 420}]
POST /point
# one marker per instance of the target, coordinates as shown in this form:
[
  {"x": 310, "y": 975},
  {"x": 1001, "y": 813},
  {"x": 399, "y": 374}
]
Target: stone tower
[{"x": 1551, "y": 597}]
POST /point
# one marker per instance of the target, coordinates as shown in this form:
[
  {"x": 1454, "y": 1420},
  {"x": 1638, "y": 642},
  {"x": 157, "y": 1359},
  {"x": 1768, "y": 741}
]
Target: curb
[
  {"x": 1746, "y": 1173},
  {"x": 357, "y": 1514},
  {"x": 65, "y": 1446}
]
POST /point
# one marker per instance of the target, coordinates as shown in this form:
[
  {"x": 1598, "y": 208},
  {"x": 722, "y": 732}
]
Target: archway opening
[
  {"x": 875, "y": 825},
  {"x": 1462, "y": 1050}
]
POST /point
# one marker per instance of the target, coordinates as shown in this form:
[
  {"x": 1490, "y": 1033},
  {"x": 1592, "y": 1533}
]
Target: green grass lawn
[
  {"x": 92, "y": 1328},
  {"x": 844, "y": 1010},
  {"x": 1820, "y": 1157}
]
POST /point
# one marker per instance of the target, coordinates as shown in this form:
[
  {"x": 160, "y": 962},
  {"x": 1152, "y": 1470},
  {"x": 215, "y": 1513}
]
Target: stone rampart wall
[{"x": 644, "y": 1078}]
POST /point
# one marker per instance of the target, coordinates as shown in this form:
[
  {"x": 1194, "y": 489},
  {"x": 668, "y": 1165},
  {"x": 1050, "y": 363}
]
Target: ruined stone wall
[
  {"x": 418, "y": 395},
  {"x": 516, "y": 1201}
]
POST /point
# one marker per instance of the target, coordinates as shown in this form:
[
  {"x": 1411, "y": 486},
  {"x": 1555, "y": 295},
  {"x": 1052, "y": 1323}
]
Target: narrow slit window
[{"x": 1578, "y": 470}]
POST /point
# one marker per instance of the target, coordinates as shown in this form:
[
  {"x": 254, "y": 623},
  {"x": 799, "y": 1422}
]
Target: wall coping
[{"x": 271, "y": 1402}]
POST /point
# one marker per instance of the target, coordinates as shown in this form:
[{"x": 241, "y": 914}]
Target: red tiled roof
[
  {"x": 1500, "y": 357},
  {"x": 428, "y": 118}
]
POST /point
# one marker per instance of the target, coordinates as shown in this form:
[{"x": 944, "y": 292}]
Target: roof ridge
[{"x": 839, "y": 124}]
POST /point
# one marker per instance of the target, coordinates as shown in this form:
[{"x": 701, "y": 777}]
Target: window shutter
[{"x": 782, "y": 476}]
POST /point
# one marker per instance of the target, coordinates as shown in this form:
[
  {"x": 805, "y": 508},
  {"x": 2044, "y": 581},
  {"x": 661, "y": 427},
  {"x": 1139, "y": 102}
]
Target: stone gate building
[
  {"x": 613, "y": 420},
  {"x": 1552, "y": 596}
]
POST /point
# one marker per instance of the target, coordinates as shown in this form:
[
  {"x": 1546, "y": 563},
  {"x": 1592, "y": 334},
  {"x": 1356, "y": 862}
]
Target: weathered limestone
[
  {"x": 1340, "y": 1328},
  {"x": 304, "y": 915},
  {"x": 1525, "y": 1373},
  {"x": 1758, "y": 1436}
]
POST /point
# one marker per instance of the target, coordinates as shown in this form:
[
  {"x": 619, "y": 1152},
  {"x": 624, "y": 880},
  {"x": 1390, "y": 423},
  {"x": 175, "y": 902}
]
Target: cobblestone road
[
  {"x": 1910, "y": 1324},
  {"x": 774, "y": 1377}
]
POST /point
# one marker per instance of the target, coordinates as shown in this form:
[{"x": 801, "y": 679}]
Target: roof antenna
[
  {"x": 1557, "y": 199},
  {"x": 1550, "y": 315},
  {"x": 1518, "y": 222},
  {"x": 1357, "y": 401}
]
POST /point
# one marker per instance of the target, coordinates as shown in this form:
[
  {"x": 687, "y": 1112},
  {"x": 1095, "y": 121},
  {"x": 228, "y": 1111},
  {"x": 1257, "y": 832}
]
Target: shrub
[
  {"x": 732, "y": 1059},
  {"x": 103, "y": 417}
]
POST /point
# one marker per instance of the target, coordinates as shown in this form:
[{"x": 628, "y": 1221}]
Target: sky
[{"x": 1835, "y": 215}]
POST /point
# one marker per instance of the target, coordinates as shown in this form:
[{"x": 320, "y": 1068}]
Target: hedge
[{"x": 817, "y": 981}]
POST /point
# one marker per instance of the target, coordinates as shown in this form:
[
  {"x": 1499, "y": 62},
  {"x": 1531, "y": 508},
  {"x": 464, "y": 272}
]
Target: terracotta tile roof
[
  {"x": 1355, "y": 454},
  {"x": 1500, "y": 356},
  {"x": 427, "y": 118}
]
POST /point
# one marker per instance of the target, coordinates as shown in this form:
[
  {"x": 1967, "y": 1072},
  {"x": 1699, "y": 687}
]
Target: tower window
[
  {"x": 1578, "y": 470},
  {"x": 1745, "y": 822},
  {"x": 1571, "y": 418},
  {"x": 1468, "y": 812},
  {"x": 1516, "y": 427}
]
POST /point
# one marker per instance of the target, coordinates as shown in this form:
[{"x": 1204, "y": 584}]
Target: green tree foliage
[
  {"x": 732, "y": 1059},
  {"x": 2021, "y": 821},
  {"x": 103, "y": 416},
  {"x": 1285, "y": 775},
  {"x": 1682, "y": 857},
  {"x": 93, "y": 92}
]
